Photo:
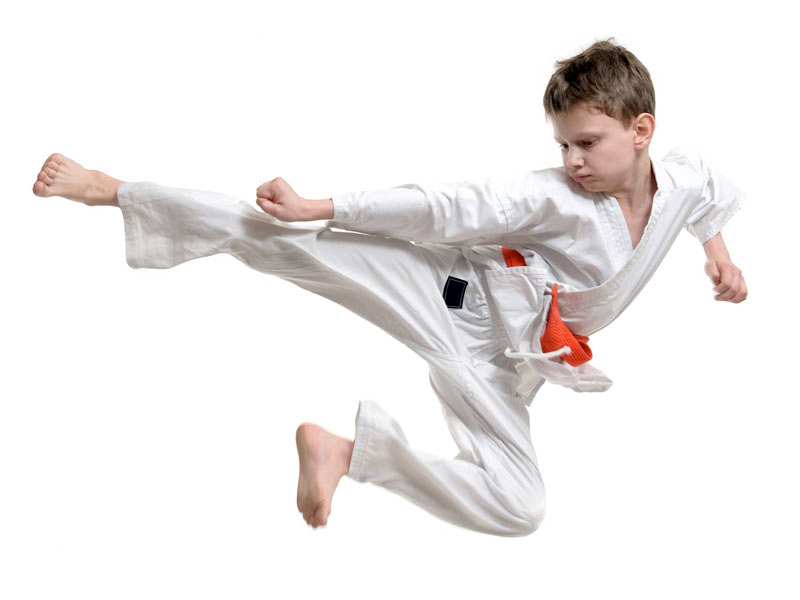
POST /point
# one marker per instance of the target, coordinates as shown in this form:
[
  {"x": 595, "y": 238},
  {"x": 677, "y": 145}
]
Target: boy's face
[{"x": 599, "y": 152}]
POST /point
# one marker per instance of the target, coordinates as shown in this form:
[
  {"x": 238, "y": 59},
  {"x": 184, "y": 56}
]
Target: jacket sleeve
[
  {"x": 719, "y": 199},
  {"x": 462, "y": 213}
]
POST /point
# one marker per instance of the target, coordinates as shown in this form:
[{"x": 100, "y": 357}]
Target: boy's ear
[{"x": 643, "y": 127}]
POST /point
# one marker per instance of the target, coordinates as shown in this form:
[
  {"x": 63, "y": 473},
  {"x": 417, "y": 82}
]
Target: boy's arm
[
  {"x": 716, "y": 202},
  {"x": 461, "y": 212},
  {"x": 454, "y": 213},
  {"x": 728, "y": 282}
]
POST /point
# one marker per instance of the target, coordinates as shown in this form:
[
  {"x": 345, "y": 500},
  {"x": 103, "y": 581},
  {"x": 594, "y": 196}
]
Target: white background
[{"x": 147, "y": 417}]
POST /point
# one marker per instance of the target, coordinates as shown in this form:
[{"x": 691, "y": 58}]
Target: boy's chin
[{"x": 591, "y": 186}]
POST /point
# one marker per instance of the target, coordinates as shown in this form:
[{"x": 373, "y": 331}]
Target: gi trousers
[{"x": 493, "y": 484}]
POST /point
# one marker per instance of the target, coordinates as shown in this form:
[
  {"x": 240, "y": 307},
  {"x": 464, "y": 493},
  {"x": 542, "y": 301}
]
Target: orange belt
[{"x": 556, "y": 334}]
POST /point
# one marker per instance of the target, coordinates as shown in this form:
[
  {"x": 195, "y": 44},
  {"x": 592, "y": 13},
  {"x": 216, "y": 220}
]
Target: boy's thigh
[
  {"x": 394, "y": 284},
  {"x": 488, "y": 420}
]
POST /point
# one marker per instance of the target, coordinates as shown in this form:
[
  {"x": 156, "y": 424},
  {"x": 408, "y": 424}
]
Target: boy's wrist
[
  {"x": 715, "y": 248},
  {"x": 317, "y": 210}
]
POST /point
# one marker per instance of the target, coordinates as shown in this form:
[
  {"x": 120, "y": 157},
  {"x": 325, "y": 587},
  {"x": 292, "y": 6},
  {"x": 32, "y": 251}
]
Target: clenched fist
[
  {"x": 277, "y": 198},
  {"x": 727, "y": 279}
]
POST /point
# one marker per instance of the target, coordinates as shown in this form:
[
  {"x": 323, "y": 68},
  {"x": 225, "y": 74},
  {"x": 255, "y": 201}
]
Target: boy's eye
[{"x": 584, "y": 143}]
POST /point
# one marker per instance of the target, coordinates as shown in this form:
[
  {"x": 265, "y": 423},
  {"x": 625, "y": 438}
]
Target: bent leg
[{"x": 493, "y": 485}]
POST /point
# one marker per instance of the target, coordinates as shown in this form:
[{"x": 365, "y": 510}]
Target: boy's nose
[{"x": 574, "y": 158}]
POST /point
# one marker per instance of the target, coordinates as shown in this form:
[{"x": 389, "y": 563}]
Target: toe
[
  {"x": 38, "y": 188},
  {"x": 50, "y": 171},
  {"x": 57, "y": 158},
  {"x": 321, "y": 516},
  {"x": 44, "y": 178}
]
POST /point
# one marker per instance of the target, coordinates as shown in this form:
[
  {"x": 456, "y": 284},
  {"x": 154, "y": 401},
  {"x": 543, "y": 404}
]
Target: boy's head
[
  {"x": 602, "y": 106},
  {"x": 606, "y": 77}
]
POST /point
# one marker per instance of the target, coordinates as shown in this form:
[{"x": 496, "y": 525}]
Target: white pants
[{"x": 493, "y": 485}]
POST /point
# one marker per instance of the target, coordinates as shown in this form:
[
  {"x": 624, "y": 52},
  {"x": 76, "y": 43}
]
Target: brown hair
[{"x": 605, "y": 76}]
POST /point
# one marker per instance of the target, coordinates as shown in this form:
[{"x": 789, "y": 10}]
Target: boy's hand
[
  {"x": 727, "y": 278},
  {"x": 277, "y": 198}
]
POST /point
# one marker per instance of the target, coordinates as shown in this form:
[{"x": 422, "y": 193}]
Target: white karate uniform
[{"x": 484, "y": 356}]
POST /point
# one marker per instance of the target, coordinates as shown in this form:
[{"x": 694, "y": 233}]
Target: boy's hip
[{"x": 461, "y": 274}]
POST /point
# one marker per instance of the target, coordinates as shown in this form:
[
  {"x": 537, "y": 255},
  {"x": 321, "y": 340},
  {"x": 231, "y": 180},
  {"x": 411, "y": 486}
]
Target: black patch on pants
[{"x": 454, "y": 290}]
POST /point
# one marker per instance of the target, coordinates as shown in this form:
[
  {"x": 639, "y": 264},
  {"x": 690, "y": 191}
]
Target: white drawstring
[{"x": 540, "y": 355}]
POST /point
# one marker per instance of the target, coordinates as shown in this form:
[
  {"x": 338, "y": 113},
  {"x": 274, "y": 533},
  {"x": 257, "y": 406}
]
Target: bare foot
[
  {"x": 62, "y": 176},
  {"x": 324, "y": 458}
]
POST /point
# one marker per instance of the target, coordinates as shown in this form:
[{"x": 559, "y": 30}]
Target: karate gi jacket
[{"x": 569, "y": 236}]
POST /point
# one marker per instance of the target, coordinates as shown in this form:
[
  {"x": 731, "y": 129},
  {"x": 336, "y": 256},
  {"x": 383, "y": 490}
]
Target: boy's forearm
[
  {"x": 715, "y": 248},
  {"x": 728, "y": 281}
]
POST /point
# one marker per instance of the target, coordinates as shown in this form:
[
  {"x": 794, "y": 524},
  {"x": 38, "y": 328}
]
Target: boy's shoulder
[
  {"x": 550, "y": 183},
  {"x": 555, "y": 176},
  {"x": 685, "y": 167}
]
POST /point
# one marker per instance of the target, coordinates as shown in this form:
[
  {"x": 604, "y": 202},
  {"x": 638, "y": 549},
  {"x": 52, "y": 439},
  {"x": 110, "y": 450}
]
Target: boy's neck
[{"x": 637, "y": 194}]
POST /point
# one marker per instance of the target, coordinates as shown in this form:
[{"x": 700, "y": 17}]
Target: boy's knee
[
  {"x": 528, "y": 513},
  {"x": 533, "y": 518}
]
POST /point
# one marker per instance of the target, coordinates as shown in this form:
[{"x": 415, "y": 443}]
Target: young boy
[{"x": 496, "y": 286}]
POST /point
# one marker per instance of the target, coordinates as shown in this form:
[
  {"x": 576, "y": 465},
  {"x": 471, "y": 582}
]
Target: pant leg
[
  {"x": 383, "y": 280},
  {"x": 493, "y": 485}
]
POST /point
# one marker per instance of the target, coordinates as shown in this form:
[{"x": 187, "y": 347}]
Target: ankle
[
  {"x": 105, "y": 188},
  {"x": 348, "y": 453}
]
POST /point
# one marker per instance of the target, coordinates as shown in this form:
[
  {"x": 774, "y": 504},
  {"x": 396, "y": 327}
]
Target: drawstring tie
[{"x": 557, "y": 340}]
